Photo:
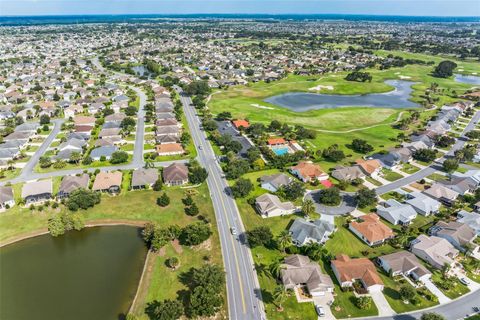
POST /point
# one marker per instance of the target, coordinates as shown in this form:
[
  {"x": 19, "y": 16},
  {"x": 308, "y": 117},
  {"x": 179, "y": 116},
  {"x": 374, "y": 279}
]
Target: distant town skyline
[{"x": 367, "y": 7}]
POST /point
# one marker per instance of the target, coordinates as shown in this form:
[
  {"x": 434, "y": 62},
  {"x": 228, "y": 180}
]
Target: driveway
[
  {"x": 347, "y": 205},
  {"x": 433, "y": 289},
  {"x": 381, "y": 302},
  {"x": 324, "y": 302}
]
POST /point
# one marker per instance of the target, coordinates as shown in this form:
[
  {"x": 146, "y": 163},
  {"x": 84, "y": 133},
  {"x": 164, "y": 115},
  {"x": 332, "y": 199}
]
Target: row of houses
[{"x": 17, "y": 141}]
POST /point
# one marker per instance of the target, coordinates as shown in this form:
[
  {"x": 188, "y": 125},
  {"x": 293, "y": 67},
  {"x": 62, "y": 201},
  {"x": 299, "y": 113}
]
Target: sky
[{"x": 371, "y": 7}]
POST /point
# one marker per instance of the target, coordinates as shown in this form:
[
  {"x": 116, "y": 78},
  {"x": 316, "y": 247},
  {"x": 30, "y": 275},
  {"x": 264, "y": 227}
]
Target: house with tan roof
[
  {"x": 348, "y": 270},
  {"x": 298, "y": 270},
  {"x": 434, "y": 250},
  {"x": 371, "y": 230},
  {"x": 269, "y": 205},
  {"x": 370, "y": 167},
  {"x": 308, "y": 171},
  {"x": 175, "y": 174},
  {"x": 441, "y": 193},
  {"x": 108, "y": 182},
  {"x": 404, "y": 263},
  {"x": 459, "y": 235},
  {"x": 84, "y": 121},
  {"x": 72, "y": 183},
  {"x": 37, "y": 191},
  {"x": 168, "y": 149}
]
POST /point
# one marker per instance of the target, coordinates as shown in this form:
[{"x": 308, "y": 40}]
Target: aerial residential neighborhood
[{"x": 235, "y": 166}]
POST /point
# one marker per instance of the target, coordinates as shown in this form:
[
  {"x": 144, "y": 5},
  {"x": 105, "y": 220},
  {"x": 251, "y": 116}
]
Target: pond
[
  {"x": 469, "y": 79},
  {"x": 302, "y": 101},
  {"x": 141, "y": 71},
  {"x": 92, "y": 274}
]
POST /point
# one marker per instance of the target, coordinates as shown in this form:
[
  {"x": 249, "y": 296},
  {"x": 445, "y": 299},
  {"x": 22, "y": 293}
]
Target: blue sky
[{"x": 374, "y": 7}]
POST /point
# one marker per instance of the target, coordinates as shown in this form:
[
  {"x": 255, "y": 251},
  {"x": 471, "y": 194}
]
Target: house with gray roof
[
  {"x": 269, "y": 205},
  {"x": 404, "y": 263},
  {"x": 347, "y": 173},
  {"x": 275, "y": 181},
  {"x": 396, "y": 212},
  {"x": 37, "y": 191},
  {"x": 6, "y": 198},
  {"x": 472, "y": 219},
  {"x": 434, "y": 250},
  {"x": 144, "y": 177},
  {"x": 462, "y": 185},
  {"x": 457, "y": 233},
  {"x": 441, "y": 193},
  {"x": 304, "y": 232},
  {"x": 298, "y": 270},
  {"x": 72, "y": 183},
  {"x": 105, "y": 151},
  {"x": 423, "y": 204}
]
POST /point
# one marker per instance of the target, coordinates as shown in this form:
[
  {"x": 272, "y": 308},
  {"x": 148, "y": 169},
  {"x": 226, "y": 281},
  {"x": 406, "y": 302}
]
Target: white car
[
  {"x": 320, "y": 311},
  {"x": 233, "y": 230},
  {"x": 464, "y": 281}
]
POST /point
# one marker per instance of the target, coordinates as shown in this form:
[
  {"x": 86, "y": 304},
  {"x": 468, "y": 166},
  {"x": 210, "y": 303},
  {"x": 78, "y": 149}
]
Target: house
[
  {"x": 434, "y": 250},
  {"x": 458, "y": 234},
  {"x": 169, "y": 149},
  {"x": 84, "y": 121},
  {"x": 144, "y": 177},
  {"x": 404, "y": 263},
  {"x": 387, "y": 160},
  {"x": 304, "y": 232},
  {"x": 72, "y": 110},
  {"x": 108, "y": 182},
  {"x": 37, "y": 191},
  {"x": 403, "y": 155},
  {"x": 423, "y": 204},
  {"x": 396, "y": 212},
  {"x": 104, "y": 152},
  {"x": 167, "y": 131},
  {"x": 275, "y": 181},
  {"x": 308, "y": 171},
  {"x": 441, "y": 193},
  {"x": 175, "y": 174},
  {"x": 370, "y": 167},
  {"x": 6, "y": 198},
  {"x": 462, "y": 185},
  {"x": 238, "y": 124},
  {"x": 276, "y": 142},
  {"x": 298, "y": 270},
  {"x": 371, "y": 230},
  {"x": 84, "y": 130},
  {"x": 472, "y": 219},
  {"x": 348, "y": 270},
  {"x": 72, "y": 183},
  {"x": 112, "y": 133},
  {"x": 347, "y": 173},
  {"x": 269, "y": 205}
]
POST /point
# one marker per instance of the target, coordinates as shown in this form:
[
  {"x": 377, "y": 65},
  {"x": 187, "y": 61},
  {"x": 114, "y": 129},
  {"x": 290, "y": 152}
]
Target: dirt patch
[
  {"x": 162, "y": 251},
  {"x": 177, "y": 247},
  {"x": 205, "y": 245}
]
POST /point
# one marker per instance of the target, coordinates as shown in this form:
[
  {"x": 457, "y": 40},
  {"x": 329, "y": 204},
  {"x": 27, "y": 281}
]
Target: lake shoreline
[{"x": 96, "y": 223}]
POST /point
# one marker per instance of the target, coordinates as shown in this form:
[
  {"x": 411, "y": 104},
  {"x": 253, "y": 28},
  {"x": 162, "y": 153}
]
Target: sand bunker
[
  {"x": 405, "y": 77},
  {"x": 261, "y": 107},
  {"x": 320, "y": 87}
]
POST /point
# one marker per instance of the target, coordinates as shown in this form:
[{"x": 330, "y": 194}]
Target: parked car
[
  {"x": 233, "y": 230},
  {"x": 320, "y": 311},
  {"x": 476, "y": 309},
  {"x": 464, "y": 281}
]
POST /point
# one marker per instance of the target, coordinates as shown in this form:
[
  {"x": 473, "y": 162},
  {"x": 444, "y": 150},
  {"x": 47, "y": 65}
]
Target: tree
[
  {"x": 445, "y": 141},
  {"x": 127, "y": 124},
  {"x": 164, "y": 310},
  {"x": 198, "y": 88},
  {"x": 44, "y": 119},
  {"x": 163, "y": 200},
  {"x": 432, "y": 316},
  {"x": 274, "y": 269},
  {"x": 293, "y": 190},
  {"x": 333, "y": 154},
  {"x": 82, "y": 199},
  {"x": 158, "y": 185},
  {"x": 308, "y": 207},
  {"x": 75, "y": 157},
  {"x": 361, "y": 146},
  {"x": 130, "y": 111},
  {"x": 119, "y": 157},
  {"x": 259, "y": 236},
  {"x": 45, "y": 162},
  {"x": 241, "y": 188},
  {"x": 225, "y": 115},
  {"x": 279, "y": 296},
  {"x": 359, "y": 76},
  {"x": 407, "y": 293},
  {"x": 450, "y": 165},
  {"x": 473, "y": 135},
  {"x": 209, "y": 275},
  {"x": 330, "y": 196},
  {"x": 173, "y": 262},
  {"x": 197, "y": 174},
  {"x": 363, "y": 302},
  {"x": 444, "y": 69},
  {"x": 192, "y": 210},
  {"x": 55, "y": 226},
  {"x": 205, "y": 302},
  {"x": 284, "y": 240},
  {"x": 366, "y": 197},
  {"x": 275, "y": 125},
  {"x": 195, "y": 233},
  {"x": 425, "y": 155},
  {"x": 188, "y": 201}
]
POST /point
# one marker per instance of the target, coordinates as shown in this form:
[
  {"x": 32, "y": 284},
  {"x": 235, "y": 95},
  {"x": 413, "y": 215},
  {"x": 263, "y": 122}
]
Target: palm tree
[
  {"x": 284, "y": 240},
  {"x": 308, "y": 208},
  {"x": 279, "y": 296},
  {"x": 75, "y": 157},
  {"x": 275, "y": 268}
]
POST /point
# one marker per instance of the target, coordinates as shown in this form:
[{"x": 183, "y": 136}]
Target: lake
[
  {"x": 92, "y": 274},
  {"x": 467, "y": 79},
  {"x": 141, "y": 71},
  {"x": 302, "y": 101}
]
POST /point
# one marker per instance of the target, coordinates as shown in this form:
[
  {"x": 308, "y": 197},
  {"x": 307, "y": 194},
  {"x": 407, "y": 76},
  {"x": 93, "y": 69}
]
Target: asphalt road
[
  {"x": 243, "y": 289},
  {"x": 435, "y": 166}
]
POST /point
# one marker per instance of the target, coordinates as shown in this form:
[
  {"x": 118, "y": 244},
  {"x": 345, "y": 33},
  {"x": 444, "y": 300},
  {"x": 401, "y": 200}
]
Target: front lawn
[
  {"x": 457, "y": 289},
  {"x": 390, "y": 175},
  {"x": 409, "y": 168}
]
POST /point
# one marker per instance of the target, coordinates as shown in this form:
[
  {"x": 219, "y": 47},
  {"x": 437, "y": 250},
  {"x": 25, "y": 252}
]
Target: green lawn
[
  {"x": 391, "y": 292},
  {"x": 373, "y": 181},
  {"x": 391, "y": 175},
  {"x": 409, "y": 168},
  {"x": 457, "y": 290}
]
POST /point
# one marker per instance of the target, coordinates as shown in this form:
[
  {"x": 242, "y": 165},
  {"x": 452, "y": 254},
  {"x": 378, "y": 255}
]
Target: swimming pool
[{"x": 280, "y": 151}]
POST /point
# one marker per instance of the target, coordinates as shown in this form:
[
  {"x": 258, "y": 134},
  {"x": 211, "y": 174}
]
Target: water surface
[
  {"x": 303, "y": 101},
  {"x": 92, "y": 274},
  {"x": 469, "y": 79}
]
